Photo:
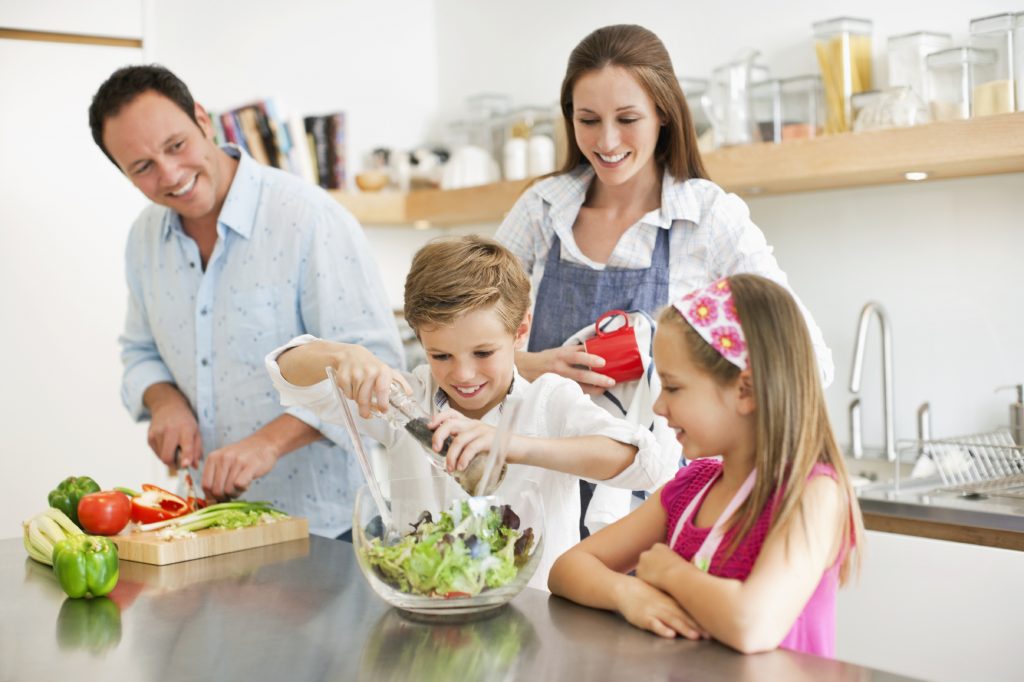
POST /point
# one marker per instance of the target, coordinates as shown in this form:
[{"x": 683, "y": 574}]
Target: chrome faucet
[{"x": 858, "y": 369}]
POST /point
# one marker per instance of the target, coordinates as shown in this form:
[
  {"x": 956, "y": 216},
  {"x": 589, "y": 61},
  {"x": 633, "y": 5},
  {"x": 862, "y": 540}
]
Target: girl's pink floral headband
[{"x": 712, "y": 312}]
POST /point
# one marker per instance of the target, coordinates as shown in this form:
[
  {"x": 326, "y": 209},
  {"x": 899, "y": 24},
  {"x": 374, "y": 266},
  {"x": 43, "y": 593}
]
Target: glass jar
[
  {"x": 1019, "y": 55},
  {"x": 843, "y": 46},
  {"x": 951, "y": 76},
  {"x": 693, "y": 89},
  {"x": 898, "y": 107},
  {"x": 906, "y": 56},
  {"x": 789, "y": 108},
  {"x": 993, "y": 91}
]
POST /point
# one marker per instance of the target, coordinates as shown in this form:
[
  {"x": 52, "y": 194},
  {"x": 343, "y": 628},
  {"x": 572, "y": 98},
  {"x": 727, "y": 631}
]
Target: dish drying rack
[{"x": 984, "y": 464}]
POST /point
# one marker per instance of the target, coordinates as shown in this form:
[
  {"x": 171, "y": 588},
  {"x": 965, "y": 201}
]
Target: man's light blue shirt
[{"x": 289, "y": 260}]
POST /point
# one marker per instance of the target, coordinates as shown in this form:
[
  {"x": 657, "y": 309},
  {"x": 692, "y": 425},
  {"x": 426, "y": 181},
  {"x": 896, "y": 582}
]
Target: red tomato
[{"x": 104, "y": 513}]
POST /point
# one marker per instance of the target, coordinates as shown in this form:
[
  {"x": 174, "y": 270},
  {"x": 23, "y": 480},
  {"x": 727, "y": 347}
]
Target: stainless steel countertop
[{"x": 301, "y": 610}]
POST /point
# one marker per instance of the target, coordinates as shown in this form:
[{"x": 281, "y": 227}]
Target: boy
[{"x": 467, "y": 299}]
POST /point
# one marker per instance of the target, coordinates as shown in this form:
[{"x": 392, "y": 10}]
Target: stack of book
[{"x": 312, "y": 147}]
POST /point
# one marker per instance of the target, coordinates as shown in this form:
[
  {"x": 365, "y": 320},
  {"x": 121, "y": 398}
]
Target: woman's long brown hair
[
  {"x": 639, "y": 51},
  {"x": 792, "y": 424}
]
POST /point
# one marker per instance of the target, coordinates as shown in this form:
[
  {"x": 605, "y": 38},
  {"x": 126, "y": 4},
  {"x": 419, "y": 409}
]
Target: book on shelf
[
  {"x": 264, "y": 135},
  {"x": 326, "y": 136}
]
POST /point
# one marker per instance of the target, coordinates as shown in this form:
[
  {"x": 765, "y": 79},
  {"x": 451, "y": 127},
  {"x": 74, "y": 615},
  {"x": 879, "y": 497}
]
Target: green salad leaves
[{"x": 463, "y": 553}]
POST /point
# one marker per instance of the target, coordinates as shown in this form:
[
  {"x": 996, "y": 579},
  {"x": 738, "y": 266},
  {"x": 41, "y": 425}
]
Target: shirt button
[
  {"x": 192, "y": 264},
  {"x": 204, "y": 362},
  {"x": 203, "y": 311}
]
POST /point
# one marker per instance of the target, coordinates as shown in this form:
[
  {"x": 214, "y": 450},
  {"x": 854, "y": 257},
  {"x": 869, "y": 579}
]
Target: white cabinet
[
  {"x": 65, "y": 212},
  {"x": 120, "y": 18},
  {"x": 934, "y": 609}
]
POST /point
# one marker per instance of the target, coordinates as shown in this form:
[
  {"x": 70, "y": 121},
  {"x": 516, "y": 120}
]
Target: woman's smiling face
[
  {"x": 472, "y": 359},
  {"x": 616, "y": 124}
]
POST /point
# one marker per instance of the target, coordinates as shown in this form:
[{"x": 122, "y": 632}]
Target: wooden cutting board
[{"x": 149, "y": 548}]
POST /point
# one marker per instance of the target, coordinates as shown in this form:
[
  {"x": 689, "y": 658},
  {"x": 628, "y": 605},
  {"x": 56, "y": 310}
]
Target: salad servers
[{"x": 389, "y": 533}]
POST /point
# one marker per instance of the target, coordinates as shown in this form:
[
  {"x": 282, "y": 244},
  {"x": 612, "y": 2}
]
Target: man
[{"x": 233, "y": 259}]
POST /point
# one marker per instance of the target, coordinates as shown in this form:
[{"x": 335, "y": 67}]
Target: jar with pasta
[
  {"x": 994, "y": 88},
  {"x": 843, "y": 47}
]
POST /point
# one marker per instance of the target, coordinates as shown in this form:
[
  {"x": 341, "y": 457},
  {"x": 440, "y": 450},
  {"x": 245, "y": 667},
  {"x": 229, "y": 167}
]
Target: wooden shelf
[
  {"x": 948, "y": 149},
  {"x": 434, "y": 207}
]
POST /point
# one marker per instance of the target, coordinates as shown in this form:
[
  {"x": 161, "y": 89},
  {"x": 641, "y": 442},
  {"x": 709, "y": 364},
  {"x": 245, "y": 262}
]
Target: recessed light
[{"x": 915, "y": 176}]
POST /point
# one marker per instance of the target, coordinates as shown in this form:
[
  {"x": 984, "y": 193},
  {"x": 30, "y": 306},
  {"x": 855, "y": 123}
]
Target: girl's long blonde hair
[{"x": 792, "y": 425}]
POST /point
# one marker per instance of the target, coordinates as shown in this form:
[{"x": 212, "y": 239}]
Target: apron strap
[{"x": 702, "y": 559}]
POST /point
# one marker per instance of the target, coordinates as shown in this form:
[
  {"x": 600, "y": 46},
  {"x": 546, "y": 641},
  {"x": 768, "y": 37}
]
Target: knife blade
[{"x": 189, "y": 483}]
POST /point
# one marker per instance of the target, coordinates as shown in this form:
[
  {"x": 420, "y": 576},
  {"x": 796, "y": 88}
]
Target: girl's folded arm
[
  {"x": 756, "y": 614},
  {"x": 592, "y": 573}
]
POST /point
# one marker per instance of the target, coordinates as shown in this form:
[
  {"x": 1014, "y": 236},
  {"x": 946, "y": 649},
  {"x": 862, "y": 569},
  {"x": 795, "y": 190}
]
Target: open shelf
[{"x": 947, "y": 149}]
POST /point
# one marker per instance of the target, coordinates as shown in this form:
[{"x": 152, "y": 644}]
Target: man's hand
[
  {"x": 172, "y": 425},
  {"x": 230, "y": 470},
  {"x": 571, "y": 362}
]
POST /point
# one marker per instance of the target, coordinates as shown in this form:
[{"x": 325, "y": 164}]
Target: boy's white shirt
[{"x": 551, "y": 407}]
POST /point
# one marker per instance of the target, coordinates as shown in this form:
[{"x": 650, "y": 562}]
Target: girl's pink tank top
[{"x": 814, "y": 631}]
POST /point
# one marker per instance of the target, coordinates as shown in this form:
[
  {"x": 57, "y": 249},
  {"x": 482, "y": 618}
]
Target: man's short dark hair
[{"x": 127, "y": 83}]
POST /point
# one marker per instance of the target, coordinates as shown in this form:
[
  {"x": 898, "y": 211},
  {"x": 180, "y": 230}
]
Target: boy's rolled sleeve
[{"x": 570, "y": 413}]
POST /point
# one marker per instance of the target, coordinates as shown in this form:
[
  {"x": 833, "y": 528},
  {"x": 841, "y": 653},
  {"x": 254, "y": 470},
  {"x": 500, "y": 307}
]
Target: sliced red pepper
[
  {"x": 453, "y": 594},
  {"x": 156, "y": 504},
  {"x": 196, "y": 503}
]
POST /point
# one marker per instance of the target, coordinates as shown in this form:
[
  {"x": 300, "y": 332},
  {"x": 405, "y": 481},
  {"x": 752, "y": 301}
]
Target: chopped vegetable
[
  {"x": 236, "y": 514},
  {"x": 465, "y": 552},
  {"x": 156, "y": 504},
  {"x": 68, "y": 492},
  {"x": 86, "y": 565}
]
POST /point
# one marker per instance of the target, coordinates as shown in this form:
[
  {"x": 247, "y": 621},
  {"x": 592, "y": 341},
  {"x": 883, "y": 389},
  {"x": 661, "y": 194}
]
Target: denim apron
[{"x": 572, "y": 296}]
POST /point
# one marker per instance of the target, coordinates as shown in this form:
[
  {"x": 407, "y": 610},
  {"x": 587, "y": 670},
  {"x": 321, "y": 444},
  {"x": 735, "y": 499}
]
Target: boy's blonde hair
[
  {"x": 793, "y": 428},
  {"x": 453, "y": 276}
]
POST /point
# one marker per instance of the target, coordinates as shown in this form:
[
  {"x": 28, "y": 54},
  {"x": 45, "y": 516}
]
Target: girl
[
  {"x": 757, "y": 542},
  {"x": 631, "y": 220}
]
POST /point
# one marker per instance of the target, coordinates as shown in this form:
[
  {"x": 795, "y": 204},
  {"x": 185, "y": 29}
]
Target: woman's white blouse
[{"x": 711, "y": 236}]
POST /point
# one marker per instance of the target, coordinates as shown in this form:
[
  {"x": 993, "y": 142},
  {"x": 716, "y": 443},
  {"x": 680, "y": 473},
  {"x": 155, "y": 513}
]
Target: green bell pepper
[
  {"x": 67, "y": 494},
  {"x": 86, "y": 565}
]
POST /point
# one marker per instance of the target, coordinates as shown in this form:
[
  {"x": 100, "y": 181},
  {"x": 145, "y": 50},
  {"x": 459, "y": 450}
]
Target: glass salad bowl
[{"x": 444, "y": 555}]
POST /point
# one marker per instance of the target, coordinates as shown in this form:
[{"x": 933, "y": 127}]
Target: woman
[{"x": 631, "y": 221}]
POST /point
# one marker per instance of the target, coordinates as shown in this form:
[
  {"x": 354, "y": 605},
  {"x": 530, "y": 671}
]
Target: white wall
[{"x": 376, "y": 61}]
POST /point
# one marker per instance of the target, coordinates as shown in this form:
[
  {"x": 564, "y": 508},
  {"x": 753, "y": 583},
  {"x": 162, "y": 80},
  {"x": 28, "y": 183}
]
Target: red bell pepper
[{"x": 156, "y": 504}]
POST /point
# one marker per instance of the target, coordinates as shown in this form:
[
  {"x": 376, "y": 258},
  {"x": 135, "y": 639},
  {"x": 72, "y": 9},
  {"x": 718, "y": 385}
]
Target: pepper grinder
[
  {"x": 408, "y": 414},
  {"x": 1016, "y": 414}
]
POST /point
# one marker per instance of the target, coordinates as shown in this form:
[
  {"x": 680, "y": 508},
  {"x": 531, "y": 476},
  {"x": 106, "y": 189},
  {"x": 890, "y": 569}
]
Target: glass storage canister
[
  {"x": 843, "y": 47},
  {"x": 994, "y": 87},
  {"x": 692, "y": 89},
  {"x": 906, "y": 55},
  {"x": 788, "y": 108},
  {"x": 951, "y": 76},
  {"x": 727, "y": 103},
  {"x": 1019, "y": 57}
]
